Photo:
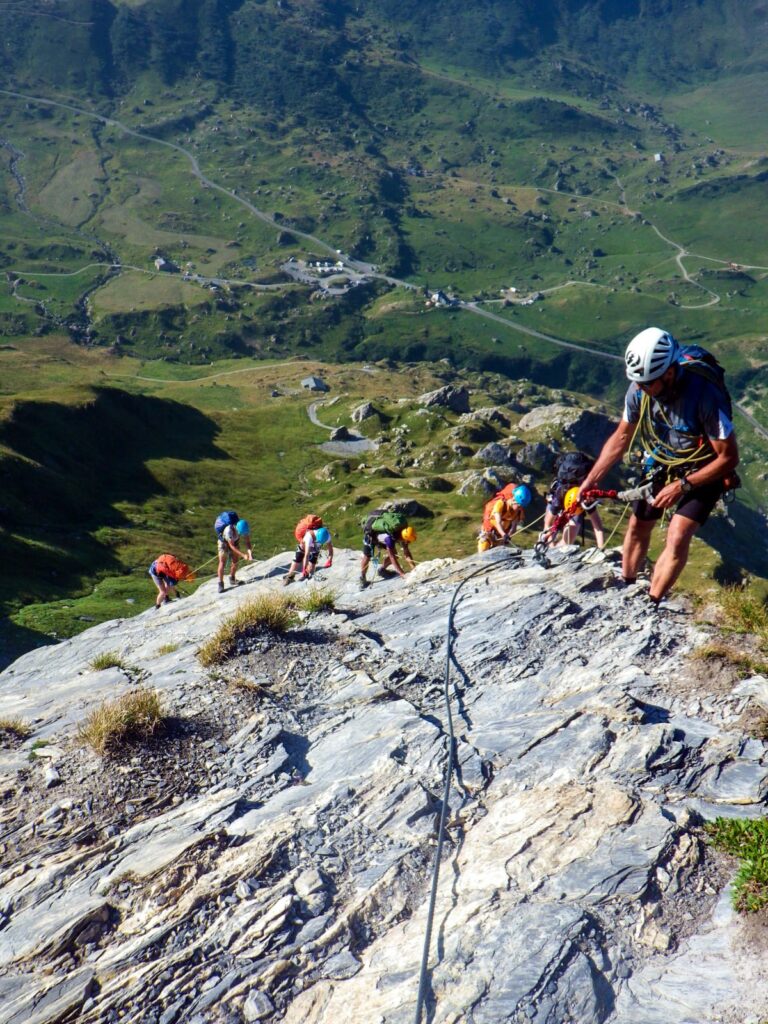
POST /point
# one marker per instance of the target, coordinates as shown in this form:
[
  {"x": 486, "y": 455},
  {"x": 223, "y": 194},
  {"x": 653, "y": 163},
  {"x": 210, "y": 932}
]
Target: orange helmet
[{"x": 408, "y": 534}]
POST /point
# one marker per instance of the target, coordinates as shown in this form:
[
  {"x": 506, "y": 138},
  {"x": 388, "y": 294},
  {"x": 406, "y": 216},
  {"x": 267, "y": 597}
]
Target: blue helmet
[
  {"x": 322, "y": 535},
  {"x": 242, "y": 526},
  {"x": 521, "y": 496}
]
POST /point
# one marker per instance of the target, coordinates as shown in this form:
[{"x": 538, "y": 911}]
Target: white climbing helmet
[{"x": 649, "y": 354}]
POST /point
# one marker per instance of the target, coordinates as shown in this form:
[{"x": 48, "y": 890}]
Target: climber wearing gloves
[
  {"x": 502, "y": 515},
  {"x": 678, "y": 406},
  {"x": 311, "y": 537},
  {"x": 383, "y": 530}
]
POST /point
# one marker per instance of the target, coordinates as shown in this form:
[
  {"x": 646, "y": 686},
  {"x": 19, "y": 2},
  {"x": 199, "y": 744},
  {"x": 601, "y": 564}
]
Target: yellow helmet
[
  {"x": 408, "y": 534},
  {"x": 571, "y": 501}
]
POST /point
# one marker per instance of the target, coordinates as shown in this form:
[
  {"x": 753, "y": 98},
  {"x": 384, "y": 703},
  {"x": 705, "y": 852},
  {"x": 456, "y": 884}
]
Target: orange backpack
[
  {"x": 174, "y": 568},
  {"x": 310, "y": 522},
  {"x": 505, "y": 493}
]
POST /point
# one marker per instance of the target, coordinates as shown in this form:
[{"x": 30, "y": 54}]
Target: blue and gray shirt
[{"x": 692, "y": 411}]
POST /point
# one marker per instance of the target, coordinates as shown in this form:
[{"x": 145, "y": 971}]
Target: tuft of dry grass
[
  {"x": 167, "y": 648},
  {"x": 135, "y": 716},
  {"x": 745, "y": 663},
  {"x": 316, "y": 599},
  {"x": 245, "y": 685},
  {"x": 108, "y": 659},
  {"x": 14, "y": 728},
  {"x": 266, "y": 613}
]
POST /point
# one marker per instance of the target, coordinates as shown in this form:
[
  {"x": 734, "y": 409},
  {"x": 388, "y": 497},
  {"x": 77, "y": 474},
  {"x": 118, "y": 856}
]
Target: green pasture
[
  {"x": 134, "y": 291},
  {"x": 717, "y": 219},
  {"x": 730, "y": 110}
]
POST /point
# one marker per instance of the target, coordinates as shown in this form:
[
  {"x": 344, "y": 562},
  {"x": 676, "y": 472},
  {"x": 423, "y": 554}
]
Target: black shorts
[
  {"x": 695, "y": 505},
  {"x": 299, "y": 555}
]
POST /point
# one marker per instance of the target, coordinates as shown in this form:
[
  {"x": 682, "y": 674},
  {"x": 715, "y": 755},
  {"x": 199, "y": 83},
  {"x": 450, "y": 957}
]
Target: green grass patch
[
  {"x": 747, "y": 840},
  {"x": 267, "y": 613},
  {"x": 134, "y": 717},
  {"x": 108, "y": 659}
]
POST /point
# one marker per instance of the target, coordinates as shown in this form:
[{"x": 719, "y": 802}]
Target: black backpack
[
  {"x": 697, "y": 360},
  {"x": 572, "y": 468}
]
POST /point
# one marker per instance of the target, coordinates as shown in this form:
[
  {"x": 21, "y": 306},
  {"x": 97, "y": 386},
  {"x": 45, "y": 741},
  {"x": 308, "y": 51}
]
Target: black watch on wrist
[{"x": 685, "y": 485}]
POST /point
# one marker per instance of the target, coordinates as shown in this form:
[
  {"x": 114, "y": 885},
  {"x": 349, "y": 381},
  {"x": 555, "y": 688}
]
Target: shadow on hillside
[
  {"x": 64, "y": 472},
  {"x": 742, "y": 547},
  {"x": 17, "y": 640}
]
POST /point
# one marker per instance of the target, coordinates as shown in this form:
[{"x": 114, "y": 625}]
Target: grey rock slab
[
  {"x": 58, "y": 998},
  {"x": 579, "y": 763},
  {"x": 152, "y": 845},
  {"x": 708, "y": 980},
  {"x": 257, "y": 1006},
  {"x": 735, "y": 782},
  {"x": 341, "y": 965}
]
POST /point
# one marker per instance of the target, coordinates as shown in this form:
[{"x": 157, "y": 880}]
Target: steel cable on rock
[{"x": 498, "y": 564}]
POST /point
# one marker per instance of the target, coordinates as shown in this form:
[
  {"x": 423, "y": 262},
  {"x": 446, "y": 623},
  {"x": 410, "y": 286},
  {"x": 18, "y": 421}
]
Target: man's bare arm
[{"x": 612, "y": 451}]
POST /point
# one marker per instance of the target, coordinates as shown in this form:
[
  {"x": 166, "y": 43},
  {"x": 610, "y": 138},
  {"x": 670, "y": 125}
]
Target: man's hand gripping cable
[{"x": 589, "y": 500}]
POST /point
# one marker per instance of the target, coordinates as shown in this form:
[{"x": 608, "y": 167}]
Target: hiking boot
[
  {"x": 363, "y": 582},
  {"x": 234, "y": 583},
  {"x": 221, "y": 587},
  {"x": 288, "y": 578}
]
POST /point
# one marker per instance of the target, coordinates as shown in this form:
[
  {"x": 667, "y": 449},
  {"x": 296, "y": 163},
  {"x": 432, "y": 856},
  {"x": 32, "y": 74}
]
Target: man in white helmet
[{"x": 683, "y": 419}]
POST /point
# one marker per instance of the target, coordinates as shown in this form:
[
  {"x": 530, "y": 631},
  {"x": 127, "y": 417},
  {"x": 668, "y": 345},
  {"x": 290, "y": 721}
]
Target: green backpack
[{"x": 388, "y": 521}]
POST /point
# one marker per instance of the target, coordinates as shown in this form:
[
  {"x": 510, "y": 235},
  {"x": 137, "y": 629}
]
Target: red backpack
[
  {"x": 174, "y": 568},
  {"x": 310, "y": 522},
  {"x": 506, "y": 494}
]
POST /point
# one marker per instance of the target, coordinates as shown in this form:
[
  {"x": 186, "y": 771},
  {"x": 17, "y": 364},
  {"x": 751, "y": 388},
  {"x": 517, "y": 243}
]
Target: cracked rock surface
[{"x": 268, "y": 857}]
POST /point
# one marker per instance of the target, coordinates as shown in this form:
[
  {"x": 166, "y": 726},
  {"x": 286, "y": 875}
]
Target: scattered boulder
[
  {"x": 538, "y": 456},
  {"x": 365, "y": 412},
  {"x": 486, "y": 483},
  {"x": 475, "y": 433},
  {"x": 495, "y": 454},
  {"x": 432, "y": 483},
  {"x": 413, "y": 509},
  {"x": 590, "y": 431},
  {"x": 491, "y": 414},
  {"x": 587, "y": 430},
  {"x": 449, "y": 397}
]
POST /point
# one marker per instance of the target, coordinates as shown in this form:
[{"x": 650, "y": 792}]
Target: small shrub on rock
[
  {"x": 317, "y": 599},
  {"x": 133, "y": 717},
  {"x": 747, "y": 839},
  {"x": 270, "y": 613},
  {"x": 13, "y": 728},
  {"x": 109, "y": 659}
]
